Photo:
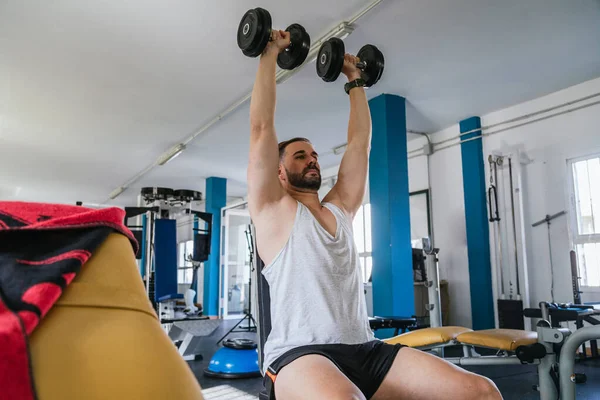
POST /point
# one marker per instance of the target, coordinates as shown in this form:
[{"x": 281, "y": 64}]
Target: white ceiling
[{"x": 93, "y": 92}]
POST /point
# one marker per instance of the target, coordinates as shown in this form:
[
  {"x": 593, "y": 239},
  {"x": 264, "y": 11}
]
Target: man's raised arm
[
  {"x": 263, "y": 183},
  {"x": 349, "y": 189}
]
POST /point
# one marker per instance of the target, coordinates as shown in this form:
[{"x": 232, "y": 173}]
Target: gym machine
[
  {"x": 159, "y": 208},
  {"x": 576, "y": 311},
  {"x": 509, "y": 263}
]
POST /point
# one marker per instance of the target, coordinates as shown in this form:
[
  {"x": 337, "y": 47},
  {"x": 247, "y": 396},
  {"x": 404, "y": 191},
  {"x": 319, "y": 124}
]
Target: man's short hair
[{"x": 286, "y": 143}]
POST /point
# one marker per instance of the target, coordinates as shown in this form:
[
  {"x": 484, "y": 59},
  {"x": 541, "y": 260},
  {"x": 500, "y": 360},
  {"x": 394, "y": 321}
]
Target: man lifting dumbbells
[{"x": 320, "y": 345}]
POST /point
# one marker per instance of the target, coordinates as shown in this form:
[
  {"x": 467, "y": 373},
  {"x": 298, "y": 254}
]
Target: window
[
  {"x": 419, "y": 218},
  {"x": 184, "y": 265},
  {"x": 585, "y": 175},
  {"x": 361, "y": 227}
]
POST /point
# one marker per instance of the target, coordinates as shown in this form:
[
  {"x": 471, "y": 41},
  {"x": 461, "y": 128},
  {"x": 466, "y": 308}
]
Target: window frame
[
  {"x": 364, "y": 254},
  {"x": 575, "y": 237},
  {"x": 186, "y": 264}
]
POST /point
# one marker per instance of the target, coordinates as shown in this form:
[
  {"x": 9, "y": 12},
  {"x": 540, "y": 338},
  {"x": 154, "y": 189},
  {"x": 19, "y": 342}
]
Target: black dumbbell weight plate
[
  {"x": 330, "y": 59},
  {"x": 373, "y": 57},
  {"x": 297, "y": 52},
  {"x": 254, "y": 31}
]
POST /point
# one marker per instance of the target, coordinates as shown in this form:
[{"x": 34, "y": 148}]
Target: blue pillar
[
  {"x": 476, "y": 218},
  {"x": 216, "y": 197},
  {"x": 393, "y": 291}
]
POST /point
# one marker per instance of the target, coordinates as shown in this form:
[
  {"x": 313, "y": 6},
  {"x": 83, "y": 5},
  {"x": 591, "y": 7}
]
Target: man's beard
[{"x": 301, "y": 181}]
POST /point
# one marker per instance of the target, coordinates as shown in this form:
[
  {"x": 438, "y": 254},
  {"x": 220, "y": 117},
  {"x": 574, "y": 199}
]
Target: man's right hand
[{"x": 280, "y": 40}]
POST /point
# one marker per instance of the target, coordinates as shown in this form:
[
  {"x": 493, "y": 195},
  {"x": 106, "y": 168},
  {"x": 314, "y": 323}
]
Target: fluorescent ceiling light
[
  {"x": 171, "y": 154},
  {"x": 115, "y": 193}
]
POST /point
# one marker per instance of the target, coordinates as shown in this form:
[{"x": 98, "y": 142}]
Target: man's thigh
[
  {"x": 419, "y": 375},
  {"x": 314, "y": 377}
]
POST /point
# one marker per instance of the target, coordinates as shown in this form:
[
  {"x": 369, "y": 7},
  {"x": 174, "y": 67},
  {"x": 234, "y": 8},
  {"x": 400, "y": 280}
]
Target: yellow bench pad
[
  {"x": 502, "y": 339},
  {"x": 429, "y": 336}
]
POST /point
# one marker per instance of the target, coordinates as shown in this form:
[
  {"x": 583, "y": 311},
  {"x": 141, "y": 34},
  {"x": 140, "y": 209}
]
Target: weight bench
[
  {"x": 429, "y": 338},
  {"x": 551, "y": 349},
  {"x": 504, "y": 341}
]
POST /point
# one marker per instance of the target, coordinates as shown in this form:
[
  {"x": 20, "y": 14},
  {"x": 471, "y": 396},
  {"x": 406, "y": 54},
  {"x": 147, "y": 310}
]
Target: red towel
[{"x": 42, "y": 248}]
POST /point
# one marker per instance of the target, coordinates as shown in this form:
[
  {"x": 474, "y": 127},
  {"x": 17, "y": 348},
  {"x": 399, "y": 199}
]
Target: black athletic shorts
[{"x": 366, "y": 364}]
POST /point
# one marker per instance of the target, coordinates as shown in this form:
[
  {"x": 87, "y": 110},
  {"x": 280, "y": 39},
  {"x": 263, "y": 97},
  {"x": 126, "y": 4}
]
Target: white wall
[
  {"x": 548, "y": 144},
  {"x": 417, "y": 173}
]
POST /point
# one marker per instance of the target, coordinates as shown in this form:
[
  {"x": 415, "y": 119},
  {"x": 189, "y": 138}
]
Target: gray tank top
[{"x": 316, "y": 288}]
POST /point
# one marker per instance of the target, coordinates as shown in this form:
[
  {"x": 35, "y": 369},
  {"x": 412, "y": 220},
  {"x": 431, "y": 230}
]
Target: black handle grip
[{"x": 493, "y": 193}]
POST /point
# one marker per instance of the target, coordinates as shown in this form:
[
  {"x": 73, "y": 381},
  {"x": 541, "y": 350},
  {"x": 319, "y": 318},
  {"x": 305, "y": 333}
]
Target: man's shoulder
[{"x": 274, "y": 226}]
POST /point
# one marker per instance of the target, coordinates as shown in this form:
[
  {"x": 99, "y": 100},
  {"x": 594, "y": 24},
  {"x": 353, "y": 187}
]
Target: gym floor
[{"x": 515, "y": 382}]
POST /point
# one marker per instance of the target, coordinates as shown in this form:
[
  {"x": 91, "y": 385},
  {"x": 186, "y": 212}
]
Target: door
[{"x": 235, "y": 264}]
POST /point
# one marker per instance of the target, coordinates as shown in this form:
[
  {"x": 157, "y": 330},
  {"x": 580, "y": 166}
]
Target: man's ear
[{"x": 280, "y": 172}]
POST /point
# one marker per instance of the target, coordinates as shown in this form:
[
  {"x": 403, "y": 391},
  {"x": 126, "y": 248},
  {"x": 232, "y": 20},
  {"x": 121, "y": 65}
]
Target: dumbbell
[
  {"x": 331, "y": 60},
  {"x": 254, "y": 32}
]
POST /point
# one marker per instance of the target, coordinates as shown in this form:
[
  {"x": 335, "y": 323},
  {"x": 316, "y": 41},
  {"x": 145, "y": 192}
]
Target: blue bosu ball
[{"x": 238, "y": 358}]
